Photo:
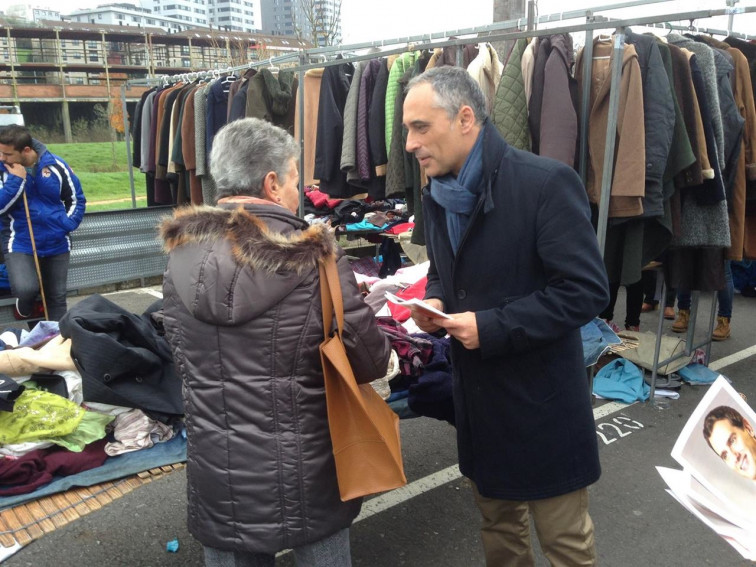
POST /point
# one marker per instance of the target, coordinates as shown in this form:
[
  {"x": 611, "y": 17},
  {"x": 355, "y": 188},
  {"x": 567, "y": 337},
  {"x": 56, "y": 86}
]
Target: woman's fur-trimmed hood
[
  {"x": 252, "y": 242},
  {"x": 231, "y": 265}
]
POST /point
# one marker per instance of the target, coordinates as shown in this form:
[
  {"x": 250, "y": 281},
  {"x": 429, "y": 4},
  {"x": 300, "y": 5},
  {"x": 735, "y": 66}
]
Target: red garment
[
  {"x": 400, "y": 228},
  {"x": 320, "y": 199},
  {"x": 417, "y": 289}
]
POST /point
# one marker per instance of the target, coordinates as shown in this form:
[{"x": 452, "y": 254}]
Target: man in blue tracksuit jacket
[{"x": 56, "y": 207}]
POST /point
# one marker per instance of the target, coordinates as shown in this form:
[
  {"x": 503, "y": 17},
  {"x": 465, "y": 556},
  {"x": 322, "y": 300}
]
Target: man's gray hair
[
  {"x": 454, "y": 88},
  {"x": 245, "y": 151}
]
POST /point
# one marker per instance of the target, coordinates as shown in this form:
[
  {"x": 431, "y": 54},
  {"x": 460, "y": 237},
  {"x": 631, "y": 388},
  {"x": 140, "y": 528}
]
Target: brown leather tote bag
[{"x": 364, "y": 429}]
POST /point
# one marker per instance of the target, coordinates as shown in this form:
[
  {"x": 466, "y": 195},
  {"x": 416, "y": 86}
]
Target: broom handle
[{"x": 36, "y": 258}]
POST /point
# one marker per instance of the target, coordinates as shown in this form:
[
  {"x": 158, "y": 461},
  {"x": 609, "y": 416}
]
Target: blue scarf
[{"x": 458, "y": 195}]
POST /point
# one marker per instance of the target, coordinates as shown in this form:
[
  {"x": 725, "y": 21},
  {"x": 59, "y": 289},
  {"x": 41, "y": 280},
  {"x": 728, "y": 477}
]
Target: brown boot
[
  {"x": 681, "y": 323},
  {"x": 722, "y": 331}
]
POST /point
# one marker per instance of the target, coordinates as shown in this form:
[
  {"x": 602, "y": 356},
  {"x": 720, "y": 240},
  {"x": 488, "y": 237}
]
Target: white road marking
[
  {"x": 608, "y": 409},
  {"x": 733, "y": 358},
  {"x": 397, "y": 496}
]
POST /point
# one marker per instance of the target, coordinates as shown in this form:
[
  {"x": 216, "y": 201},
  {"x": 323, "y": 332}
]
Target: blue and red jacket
[{"x": 56, "y": 206}]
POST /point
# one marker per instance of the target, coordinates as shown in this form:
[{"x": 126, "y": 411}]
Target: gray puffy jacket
[{"x": 243, "y": 317}]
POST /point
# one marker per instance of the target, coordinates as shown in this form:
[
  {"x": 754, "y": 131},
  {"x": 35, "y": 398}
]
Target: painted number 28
[{"x": 620, "y": 426}]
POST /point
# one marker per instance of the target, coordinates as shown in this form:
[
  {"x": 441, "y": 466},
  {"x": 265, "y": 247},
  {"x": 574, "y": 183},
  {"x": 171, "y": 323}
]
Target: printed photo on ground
[{"x": 717, "y": 447}]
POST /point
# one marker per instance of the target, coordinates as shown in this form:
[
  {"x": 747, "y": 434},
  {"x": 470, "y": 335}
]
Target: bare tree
[{"x": 317, "y": 21}]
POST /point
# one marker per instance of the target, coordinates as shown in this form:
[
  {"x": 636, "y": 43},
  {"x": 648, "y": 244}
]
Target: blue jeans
[
  {"x": 724, "y": 296},
  {"x": 332, "y": 551},
  {"x": 22, "y": 274}
]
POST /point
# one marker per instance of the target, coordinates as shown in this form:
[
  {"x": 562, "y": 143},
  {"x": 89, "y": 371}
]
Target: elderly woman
[{"x": 243, "y": 317}]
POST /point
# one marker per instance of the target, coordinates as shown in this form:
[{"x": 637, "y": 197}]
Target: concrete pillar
[{"x": 66, "y": 119}]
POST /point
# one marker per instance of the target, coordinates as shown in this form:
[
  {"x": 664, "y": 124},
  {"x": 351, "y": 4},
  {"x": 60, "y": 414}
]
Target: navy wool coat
[{"x": 529, "y": 267}]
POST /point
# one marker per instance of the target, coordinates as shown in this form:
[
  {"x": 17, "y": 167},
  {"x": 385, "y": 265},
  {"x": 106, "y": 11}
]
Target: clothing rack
[
  {"x": 191, "y": 76},
  {"x": 498, "y": 32},
  {"x": 696, "y": 29}
]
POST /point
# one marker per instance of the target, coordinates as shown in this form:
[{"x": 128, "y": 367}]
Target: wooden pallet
[{"x": 24, "y": 523}]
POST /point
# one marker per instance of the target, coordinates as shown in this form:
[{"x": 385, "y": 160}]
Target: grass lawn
[{"x": 105, "y": 183}]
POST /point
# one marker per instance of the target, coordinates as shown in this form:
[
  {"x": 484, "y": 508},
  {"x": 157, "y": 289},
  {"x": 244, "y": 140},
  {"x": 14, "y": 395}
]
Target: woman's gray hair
[
  {"x": 454, "y": 88},
  {"x": 245, "y": 151}
]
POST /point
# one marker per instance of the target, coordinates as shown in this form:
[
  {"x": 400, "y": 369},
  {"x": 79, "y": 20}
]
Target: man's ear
[
  {"x": 270, "y": 186},
  {"x": 466, "y": 118}
]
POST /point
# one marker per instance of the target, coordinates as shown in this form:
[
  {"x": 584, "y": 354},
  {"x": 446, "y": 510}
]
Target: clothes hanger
[
  {"x": 603, "y": 38},
  {"x": 230, "y": 76}
]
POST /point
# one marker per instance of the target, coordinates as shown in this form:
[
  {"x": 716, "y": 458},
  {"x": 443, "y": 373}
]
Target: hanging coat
[
  {"x": 333, "y": 92},
  {"x": 510, "y": 108},
  {"x": 309, "y": 122},
  {"x": 558, "y": 124},
  {"x": 746, "y": 165},
  {"x": 628, "y": 181}
]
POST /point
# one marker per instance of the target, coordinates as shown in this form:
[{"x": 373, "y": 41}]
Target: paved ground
[{"x": 434, "y": 522}]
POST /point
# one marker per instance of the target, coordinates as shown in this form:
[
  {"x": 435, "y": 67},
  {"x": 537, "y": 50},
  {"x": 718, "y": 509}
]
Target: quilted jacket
[
  {"x": 399, "y": 67},
  {"x": 510, "y": 107},
  {"x": 243, "y": 318}
]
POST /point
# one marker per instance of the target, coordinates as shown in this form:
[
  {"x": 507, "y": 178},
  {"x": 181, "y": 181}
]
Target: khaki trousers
[{"x": 564, "y": 528}]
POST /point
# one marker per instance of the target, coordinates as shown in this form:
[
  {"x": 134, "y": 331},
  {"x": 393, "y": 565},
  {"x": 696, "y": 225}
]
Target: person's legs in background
[
  {"x": 724, "y": 309},
  {"x": 648, "y": 277},
  {"x": 633, "y": 303},
  {"x": 22, "y": 275},
  {"x": 54, "y": 279},
  {"x": 608, "y": 313},
  {"x": 669, "y": 303},
  {"x": 683, "y": 311}
]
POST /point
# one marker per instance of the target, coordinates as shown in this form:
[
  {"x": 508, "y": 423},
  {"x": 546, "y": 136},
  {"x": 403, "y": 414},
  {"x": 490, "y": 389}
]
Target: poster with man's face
[{"x": 718, "y": 447}]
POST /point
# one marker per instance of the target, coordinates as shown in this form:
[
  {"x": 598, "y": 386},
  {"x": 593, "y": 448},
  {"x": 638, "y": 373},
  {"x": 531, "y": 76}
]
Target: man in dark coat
[{"x": 515, "y": 261}]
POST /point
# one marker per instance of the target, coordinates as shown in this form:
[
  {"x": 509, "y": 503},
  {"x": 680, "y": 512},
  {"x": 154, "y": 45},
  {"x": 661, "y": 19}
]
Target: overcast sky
[{"x": 370, "y": 20}]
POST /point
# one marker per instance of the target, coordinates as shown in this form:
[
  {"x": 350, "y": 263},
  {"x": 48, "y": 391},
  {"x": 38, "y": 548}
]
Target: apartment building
[
  {"x": 312, "y": 20},
  {"x": 126, "y": 14},
  {"x": 193, "y": 13},
  {"x": 31, "y": 13}
]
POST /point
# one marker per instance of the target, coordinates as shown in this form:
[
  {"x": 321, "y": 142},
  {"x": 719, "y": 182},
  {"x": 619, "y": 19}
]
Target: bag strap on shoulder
[{"x": 330, "y": 295}]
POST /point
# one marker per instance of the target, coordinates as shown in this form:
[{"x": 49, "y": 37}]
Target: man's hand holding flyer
[{"x": 428, "y": 310}]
